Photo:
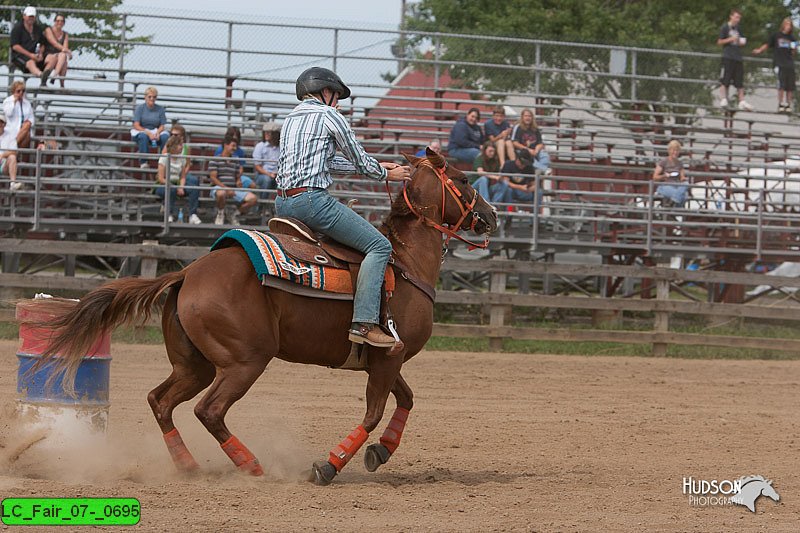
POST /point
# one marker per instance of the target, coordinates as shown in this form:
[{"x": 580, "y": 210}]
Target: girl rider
[{"x": 310, "y": 136}]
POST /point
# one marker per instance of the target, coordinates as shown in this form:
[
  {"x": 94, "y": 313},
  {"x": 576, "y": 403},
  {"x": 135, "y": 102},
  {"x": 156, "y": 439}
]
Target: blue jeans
[
  {"x": 192, "y": 196},
  {"x": 143, "y": 141},
  {"x": 324, "y": 214},
  {"x": 675, "y": 192},
  {"x": 490, "y": 190},
  {"x": 467, "y": 155},
  {"x": 542, "y": 160}
]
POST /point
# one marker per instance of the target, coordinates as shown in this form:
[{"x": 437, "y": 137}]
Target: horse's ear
[
  {"x": 436, "y": 159},
  {"x": 412, "y": 159}
]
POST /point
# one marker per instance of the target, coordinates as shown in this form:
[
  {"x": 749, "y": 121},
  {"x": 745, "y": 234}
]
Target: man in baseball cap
[
  {"x": 8, "y": 154},
  {"x": 27, "y": 44}
]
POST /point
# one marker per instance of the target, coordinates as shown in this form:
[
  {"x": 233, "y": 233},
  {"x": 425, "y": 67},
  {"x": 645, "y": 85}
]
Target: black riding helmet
[{"x": 313, "y": 80}]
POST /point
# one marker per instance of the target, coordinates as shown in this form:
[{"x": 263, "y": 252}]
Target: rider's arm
[{"x": 358, "y": 160}]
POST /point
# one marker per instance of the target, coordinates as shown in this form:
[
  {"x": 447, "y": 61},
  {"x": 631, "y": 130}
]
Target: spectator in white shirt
[
  {"x": 19, "y": 114},
  {"x": 265, "y": 157},
  {"x": 8, "y": 154}
]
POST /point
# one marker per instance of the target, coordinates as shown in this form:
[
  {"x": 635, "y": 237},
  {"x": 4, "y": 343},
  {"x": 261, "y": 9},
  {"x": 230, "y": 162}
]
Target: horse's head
[{"x": 442, "y": 194}]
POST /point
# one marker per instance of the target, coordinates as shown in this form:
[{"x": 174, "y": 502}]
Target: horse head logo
[{"x": 752, "y": 488}]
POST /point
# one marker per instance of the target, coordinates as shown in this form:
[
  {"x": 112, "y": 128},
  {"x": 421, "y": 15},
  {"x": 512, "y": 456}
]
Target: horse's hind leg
[
  {"x": 191, "y": 373},
  {"x": 383, "y": 373},
  {"x": 378, "y": 454},
  {"x": 231, "y": 383}
]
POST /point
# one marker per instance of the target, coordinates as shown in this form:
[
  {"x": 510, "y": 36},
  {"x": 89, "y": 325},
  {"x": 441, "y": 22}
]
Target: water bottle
[
  {"x": 153, "y": 143},
  {"x": 180, "y": 215}
]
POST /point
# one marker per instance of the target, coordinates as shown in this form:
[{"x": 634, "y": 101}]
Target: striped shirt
[
  {"x": 227, "y": 170},
  {"x": 309, "y": 138}
]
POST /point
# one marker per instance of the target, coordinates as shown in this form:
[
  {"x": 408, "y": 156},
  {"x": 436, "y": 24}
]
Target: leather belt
[{"x": 288, "y": 193}]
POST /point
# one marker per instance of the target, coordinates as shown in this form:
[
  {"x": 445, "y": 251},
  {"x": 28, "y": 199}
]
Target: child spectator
[
  {"x": 497, "y": 130},
  {"x": 526, "y": 136},
  {"x": 518, "y": 188},
  {"x": 149, "y": 121},
  {"x": 225, "y": 174},
  {"x": 8, "y": 154},
  {"x": 466, "y": 137},
  {"x": 784, "y": 47},
  {"x": 265, "y": 156},
  {"x": 56, "y": 50},
  {"x": 175, "y": 167}
]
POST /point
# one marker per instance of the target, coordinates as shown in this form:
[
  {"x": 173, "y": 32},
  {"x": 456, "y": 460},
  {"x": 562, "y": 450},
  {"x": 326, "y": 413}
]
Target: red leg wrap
[
  {"x": 181, "y": 455},
  {"x": 242, "y": 457},
  {"x": 345, "y": 450},
  {"x": 391, "y": 436}
]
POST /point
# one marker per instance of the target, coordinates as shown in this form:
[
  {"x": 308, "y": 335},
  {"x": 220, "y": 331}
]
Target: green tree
[
  {"x": 98, "y": 26},
  {"x": 686, "y": 25}
]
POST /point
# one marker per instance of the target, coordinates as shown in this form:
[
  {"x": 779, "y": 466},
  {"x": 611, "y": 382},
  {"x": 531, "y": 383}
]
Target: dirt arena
[{"x": 495, "y": 442}]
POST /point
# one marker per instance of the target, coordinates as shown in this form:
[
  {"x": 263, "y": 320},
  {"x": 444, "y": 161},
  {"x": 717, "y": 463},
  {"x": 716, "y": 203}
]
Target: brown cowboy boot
[{"x": 368, "y": 333}]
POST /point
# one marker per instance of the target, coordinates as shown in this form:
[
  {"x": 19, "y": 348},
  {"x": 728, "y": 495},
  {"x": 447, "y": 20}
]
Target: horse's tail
[{"x": 119, "y": 302}]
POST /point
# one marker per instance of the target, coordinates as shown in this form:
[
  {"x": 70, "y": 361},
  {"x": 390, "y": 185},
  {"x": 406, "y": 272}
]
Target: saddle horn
[{"x": 436, "y": 159}]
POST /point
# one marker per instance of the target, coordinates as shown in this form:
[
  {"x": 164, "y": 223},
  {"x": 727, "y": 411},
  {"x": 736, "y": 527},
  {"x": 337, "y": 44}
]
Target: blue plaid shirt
[{"x": 309, "y": 138}]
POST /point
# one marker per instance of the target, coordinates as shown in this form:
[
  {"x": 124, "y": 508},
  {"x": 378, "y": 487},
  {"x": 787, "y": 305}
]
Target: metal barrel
[{"x": 37, "y": 392}]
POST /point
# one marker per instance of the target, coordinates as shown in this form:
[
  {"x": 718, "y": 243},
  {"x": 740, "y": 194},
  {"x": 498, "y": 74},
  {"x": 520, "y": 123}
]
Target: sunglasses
[{"x": 19, "y": 91}]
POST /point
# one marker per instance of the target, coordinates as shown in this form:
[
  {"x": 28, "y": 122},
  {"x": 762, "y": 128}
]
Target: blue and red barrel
[{"x": 46, "y": 397}]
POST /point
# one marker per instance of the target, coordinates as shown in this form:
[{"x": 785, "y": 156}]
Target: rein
[{"x": 466, "y": 208}]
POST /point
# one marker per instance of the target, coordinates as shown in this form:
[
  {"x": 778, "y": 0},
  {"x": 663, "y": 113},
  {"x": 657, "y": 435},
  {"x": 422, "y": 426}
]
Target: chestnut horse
[{"x": 222, "y": 327}]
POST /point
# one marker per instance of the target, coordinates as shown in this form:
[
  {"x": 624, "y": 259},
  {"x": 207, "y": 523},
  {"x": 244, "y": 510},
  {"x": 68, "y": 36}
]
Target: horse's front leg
[
  {"x": 378, "y": 454},
  {"x": 383, "y": 372}
]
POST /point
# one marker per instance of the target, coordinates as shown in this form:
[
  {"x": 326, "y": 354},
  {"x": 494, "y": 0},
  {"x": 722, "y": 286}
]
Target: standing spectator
[
  {"x": 488, "y": 166},
  {"x": 498, "y": 131},
  {"x": 19, "y": 114},
  {"x": 174, "y": 166},
  {"x": 784, "y": 46},
  {"x": 8, "y": 154},
  {"x": 434, "y": 145},
  {"x": 56, "y": 50},
  {"x": 526, "y": 136},
  {"x": 466, "y": 137},
  {"x": 27, "y": 45},
  {"x": 225, "y": 174},
  {"x": 731, "y": 40},
  {"x": 149, "y": 120},
  {"x": 265, "y": 157},
  {"x": 670, "y": 171}
]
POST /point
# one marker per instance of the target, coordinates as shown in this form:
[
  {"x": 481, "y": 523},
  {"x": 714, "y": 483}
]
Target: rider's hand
[
  {"x": 389, "y": 165},
  {"x": 398, "y": 173}
]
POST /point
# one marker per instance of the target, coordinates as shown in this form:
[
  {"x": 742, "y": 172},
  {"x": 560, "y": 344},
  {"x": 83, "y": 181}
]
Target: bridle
[{"x": 466, "y": 207}]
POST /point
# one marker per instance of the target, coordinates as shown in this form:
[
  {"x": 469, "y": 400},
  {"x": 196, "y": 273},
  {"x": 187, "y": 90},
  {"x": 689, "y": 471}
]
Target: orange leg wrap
[
  {"x": 181, "y": 455},
  {"x": 391, "y": 436},
  {"x": 345, "y": 450},
  {"x": 242, "y": 457}
]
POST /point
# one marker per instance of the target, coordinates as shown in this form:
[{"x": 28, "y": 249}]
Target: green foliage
[
  {"x": 99, "y": 27},
  {"x": 675, "y": 25}
]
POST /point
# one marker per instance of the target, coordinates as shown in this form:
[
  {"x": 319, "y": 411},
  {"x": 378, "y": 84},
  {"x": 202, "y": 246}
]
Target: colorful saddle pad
[{"x": 269, "y": 258}]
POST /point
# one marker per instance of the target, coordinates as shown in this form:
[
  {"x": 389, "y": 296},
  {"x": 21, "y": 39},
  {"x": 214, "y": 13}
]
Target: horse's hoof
[
  {"x": 375, "y": 456},
  {"x": 322, "y": 473}
]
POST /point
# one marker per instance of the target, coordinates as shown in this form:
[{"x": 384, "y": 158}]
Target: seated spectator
[
  {"x": 225, "y": 174},
  {"x": 173, "y": 165},
  {"x": 518, "y": 189},
  {"x": 488, "y": 183},
  {"x": 498, "y": 130},
  {"x": 19, "y": 114},
  {"x": 56, "y": 49},
  {"x": 27, "y": 44},
  {"x": 265, "y": 157},
  {"x": 149, "y": 121},
  {"x": 527, "y": 136},
  {"x": 179, "y": 130},
  {"x": 670, "y": 171},
  {"x": 466, "y": 137},
  {"x": 8, "y": 154},
  {"x": 434, "y": 145}
]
